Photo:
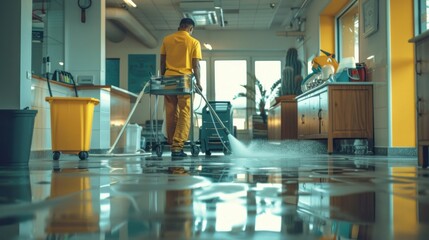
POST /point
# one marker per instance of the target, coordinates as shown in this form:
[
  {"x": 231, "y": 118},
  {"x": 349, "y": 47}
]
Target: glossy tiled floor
[{"x": 270, "y": 192}]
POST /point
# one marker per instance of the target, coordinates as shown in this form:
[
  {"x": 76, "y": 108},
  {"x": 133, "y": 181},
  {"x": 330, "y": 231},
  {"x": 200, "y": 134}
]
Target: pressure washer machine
[{"x": 212, "y": 134}]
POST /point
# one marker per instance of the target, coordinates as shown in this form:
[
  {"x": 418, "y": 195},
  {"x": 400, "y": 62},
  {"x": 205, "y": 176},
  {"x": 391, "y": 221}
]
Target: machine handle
[
  {"x": 419, "y": 67},
  {"x": 419, "y": 106}
]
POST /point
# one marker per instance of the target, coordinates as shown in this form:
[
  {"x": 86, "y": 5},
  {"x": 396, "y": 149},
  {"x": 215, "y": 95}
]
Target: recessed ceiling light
[
  {"x": 208, "y": 46},
  {"x": 130, "y": 3}
]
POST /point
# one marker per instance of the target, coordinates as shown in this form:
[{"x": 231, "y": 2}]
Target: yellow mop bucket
[{"x": 71, "y": 125}]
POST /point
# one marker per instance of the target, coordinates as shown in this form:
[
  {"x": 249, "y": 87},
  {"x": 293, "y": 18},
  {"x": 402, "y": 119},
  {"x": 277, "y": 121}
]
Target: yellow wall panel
[
  {"x": 327, "y": 34},
  {"x": 402, "y": 74}
]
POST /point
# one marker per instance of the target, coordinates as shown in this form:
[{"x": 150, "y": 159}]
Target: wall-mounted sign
[{"x": 37, "y": 36}]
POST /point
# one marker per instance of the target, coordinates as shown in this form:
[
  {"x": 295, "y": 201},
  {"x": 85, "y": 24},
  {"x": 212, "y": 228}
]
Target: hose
[
  {"x": 213, "y": 113},
  {"x": 128, "y": 119}
]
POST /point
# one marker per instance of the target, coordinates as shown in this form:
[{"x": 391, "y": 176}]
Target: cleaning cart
[
  {"x": 71, "y": 124},
  {"x": 211, "y": 138},
  {"x": 172, "y": 85}
]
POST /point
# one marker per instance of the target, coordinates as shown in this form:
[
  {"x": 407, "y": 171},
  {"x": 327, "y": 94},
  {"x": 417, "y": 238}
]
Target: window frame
[
  {"x": 338, "y": 42},
  {"x": 418, "y": 29},
  {"x": 254, "y": 60}
]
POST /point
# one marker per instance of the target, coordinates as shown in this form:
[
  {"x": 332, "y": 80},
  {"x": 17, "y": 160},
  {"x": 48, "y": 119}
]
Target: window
[
  {"x": 423, "y": 15},
  {"x": 112, "y": 71},
  {"x": 348, "y": 33},
  {"x": 229, "y": 76},
  {"x": 267, "y": 72}
]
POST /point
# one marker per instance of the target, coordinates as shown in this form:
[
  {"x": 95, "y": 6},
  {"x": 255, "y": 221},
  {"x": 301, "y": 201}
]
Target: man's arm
[
  {"x": 196, "y": 70},
  {"x": 162, "y": 64}
]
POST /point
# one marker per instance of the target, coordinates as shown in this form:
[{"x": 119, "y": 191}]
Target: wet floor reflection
[
  {"x": 15, "y": 189},
  {"x": 76, "y": 214},
  {"x": 314, "y": 197}
]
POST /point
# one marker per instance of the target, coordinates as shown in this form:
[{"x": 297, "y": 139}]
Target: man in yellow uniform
[{"x": 180, "y": 55}]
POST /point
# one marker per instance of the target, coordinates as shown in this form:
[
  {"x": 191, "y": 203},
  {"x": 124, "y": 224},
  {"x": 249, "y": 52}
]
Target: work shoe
[
  {"x": 179, "y": 154},
  {"x": 178, "y": 170}
]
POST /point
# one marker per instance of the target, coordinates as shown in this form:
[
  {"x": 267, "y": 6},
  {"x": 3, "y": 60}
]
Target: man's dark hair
[{"x": 186, "y": 22}]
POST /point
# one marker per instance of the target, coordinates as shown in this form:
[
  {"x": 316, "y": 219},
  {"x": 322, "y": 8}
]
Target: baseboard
[
  {"x": 400, "y": 152},
  {"x": 41, "y": 154}
]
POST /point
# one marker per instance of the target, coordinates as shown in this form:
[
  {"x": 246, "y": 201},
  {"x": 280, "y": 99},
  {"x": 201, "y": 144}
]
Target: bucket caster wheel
[
  {"x": 56, "y": 155},
  {"x": 158, "y": 150},
  {"x": 208, "y": 153},
  {"x": 83, "y": 155},
  {"x": 195, "y": 150}
]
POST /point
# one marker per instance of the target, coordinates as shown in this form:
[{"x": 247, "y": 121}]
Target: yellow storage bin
[{"x": 71, "y": 125}]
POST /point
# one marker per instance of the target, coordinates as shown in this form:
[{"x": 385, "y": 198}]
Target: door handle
[
  {"x": 419, "y": 106},
  {"x": 302, "y": 119},
  {"x": 419, "y": 67}
]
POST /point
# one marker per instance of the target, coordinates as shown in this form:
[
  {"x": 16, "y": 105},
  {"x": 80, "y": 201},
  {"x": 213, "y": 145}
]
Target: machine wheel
[
  {"x": 83, "y": 155},
  {"x": 56, "y": 155},
  {"x": 158, "y": 149},
  {"x": 208, "y": 153},
  {"x": 195, "y": 150}
]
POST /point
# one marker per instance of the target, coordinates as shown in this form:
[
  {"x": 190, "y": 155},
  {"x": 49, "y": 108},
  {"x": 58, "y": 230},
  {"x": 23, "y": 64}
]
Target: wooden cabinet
[
  {"x": 422, "y": 88},
  {"x": 282, "y": 122},
  {"x": 309, "y": 116},
  {"x": 335, "y": 111}
]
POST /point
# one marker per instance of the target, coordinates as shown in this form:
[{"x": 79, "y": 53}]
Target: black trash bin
[{"x": 16, "y": 130}]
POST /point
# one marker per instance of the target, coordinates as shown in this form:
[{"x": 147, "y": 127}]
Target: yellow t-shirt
[{"x": 180, "y": 48}]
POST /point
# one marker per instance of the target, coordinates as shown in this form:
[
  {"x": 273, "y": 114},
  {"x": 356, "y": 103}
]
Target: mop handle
[
  {"x": 128, "y": 119},
  {"x": 213, "y": 112}
]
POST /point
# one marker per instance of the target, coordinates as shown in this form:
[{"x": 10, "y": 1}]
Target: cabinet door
[
  {"x": 274, "y": 123},
  {"x": 302, "y": 117},
  {"x": 350, "y": 111},
  {"x": 422, "y": 84},
  {"x": 324, "y": 113},
  {"x": 313, "y": 126}
]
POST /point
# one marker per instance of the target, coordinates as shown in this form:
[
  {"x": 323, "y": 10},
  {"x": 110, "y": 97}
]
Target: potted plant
[{"x": 258, "y": 94}]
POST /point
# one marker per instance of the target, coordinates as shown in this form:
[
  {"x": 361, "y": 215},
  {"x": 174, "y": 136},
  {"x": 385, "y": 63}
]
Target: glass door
[{"x": 229, "y": 76}]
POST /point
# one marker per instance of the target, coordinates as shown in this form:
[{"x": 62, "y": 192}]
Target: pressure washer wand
[{"x": 213, "y": 112}]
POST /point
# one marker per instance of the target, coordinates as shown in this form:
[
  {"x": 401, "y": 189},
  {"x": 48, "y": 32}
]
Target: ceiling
[{"x": 237, "y": 14}]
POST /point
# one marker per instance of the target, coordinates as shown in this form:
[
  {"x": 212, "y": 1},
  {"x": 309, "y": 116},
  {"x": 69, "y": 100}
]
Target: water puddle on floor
[{"x": 287, "y": 195}]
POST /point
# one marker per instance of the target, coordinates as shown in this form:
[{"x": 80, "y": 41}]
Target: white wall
[
  {"x": 377, "y": 45},
  {"x": 15, "y": 49},
  {"x": 85, "y": 42}
]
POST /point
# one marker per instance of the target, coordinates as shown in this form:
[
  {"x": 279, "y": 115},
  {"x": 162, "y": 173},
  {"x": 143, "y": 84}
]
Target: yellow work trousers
[{"x": 177, "y": 120}]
